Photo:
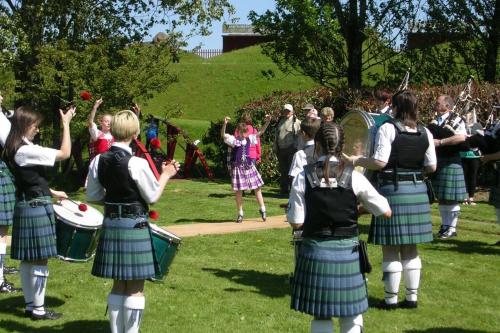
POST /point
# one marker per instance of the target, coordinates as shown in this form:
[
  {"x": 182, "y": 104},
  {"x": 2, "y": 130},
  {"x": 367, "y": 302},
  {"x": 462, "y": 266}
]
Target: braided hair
[{"x": 330, "y": 138}]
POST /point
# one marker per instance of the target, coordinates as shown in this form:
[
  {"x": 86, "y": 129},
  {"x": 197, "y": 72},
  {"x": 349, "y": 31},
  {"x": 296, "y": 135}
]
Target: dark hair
[
  {"x": 330, "y": 137},
  {"x": 23, "y": 118},
  {"x": 405, "y": 105},
  {"x": 310, "y": 126},
  {"x": 382, "y": 95}
]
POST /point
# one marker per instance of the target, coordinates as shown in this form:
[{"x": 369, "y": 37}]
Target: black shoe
[
  {"x": 448, "y": 234},
  {"x": 10, "y": 270},
  {"x": 442, "y": 230},
  {"x": 406, "y": 304},
  {"x": 7, "y": 288},
  {"x": 48, "y": 315},
  {"x": 384, "y": 306},
  {"x": 263, "y": 215},
  {"x": 239, "y": 219},
  {"x": 28, "y": 313},
  {"x": 497, "y": 243}
]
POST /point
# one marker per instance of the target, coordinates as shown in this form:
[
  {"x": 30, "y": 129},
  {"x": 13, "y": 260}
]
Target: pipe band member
[
  {"x": 324, "y": 199},
  {"x": 403, "y": 152},
  {"x": 127, "y": 186},
  {"x": 33, "y": 231}
]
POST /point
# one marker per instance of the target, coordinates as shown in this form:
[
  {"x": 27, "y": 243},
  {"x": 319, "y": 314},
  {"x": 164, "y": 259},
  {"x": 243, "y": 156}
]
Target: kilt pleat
[
  {"x": 7, "y": 195},
  {"x": 124, "y": 252},
  {"x": 327, "y": 280},
  {"x": 33, "y": 232},
  {"x": 448, "y": 182},
  {"x": 410, "y": 222},
  {"x": 245, "y": 177}
]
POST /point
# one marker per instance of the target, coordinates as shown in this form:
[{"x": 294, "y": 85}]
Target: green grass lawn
[
  {"x": 239, "y": 282},
  {"x": 209, "y": 89}
]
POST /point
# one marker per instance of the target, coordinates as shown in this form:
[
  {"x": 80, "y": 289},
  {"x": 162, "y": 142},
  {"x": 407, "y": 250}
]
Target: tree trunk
[
  {"x": 354, "y": 69},
  {"x": 490, "y": 68}
]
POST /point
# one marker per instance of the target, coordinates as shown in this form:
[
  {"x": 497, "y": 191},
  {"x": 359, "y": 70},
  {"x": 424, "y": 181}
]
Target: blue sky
[{"x": 214, "y": 41}]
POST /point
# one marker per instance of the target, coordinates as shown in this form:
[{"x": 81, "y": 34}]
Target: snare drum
[
  {"x": 360, "y": 128},
  {"x": 165, "y": 246},
  {"x": 77, "y": 231}
]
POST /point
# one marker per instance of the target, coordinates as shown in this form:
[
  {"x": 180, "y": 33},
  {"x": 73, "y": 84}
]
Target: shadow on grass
[
  {"x": 271, "y": 285},
  {"x": 72, "y": 326},
  {"x": 446, "y": 330},
  {"x": 467, "y": 247},
  {"x": 15, "y": 305}
]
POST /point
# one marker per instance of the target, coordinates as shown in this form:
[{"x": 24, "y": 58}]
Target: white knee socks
[
  {"x": 321, "y": 326},
  {"x": 443, "y": 211},
  {"x": 3, "y": 252},
  {"x": 133, "y": 307},
  {"x": 453, "y": 216},
  {"x": 392, "y": 278},
  {"x": 39, "y": 274},
  {"x": 411, "y": 271},
  {"x": 25, "y": 272},
  {"x": 351, "y": 324},
  {"x": 115, "y": 310}
]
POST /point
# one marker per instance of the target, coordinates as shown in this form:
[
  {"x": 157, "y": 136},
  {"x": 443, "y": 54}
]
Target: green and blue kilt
[
  {"x": 327, "y": 280},
  {"x": 34, "y": 231},
  {"x": 448, "y": 181},
  {"x": 410, "y": 222},
  {"x": 7, "y": 195},
  {"x": 124, "y": 252}
]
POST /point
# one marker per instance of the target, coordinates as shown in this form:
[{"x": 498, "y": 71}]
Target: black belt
[
  {"x": 401, "y": 177},
  {"x": 124, "y": 210},
  {"x": 333, "y": 232}
]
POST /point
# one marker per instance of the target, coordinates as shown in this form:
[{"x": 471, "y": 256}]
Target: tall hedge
[{"x": 341, "y": 100}]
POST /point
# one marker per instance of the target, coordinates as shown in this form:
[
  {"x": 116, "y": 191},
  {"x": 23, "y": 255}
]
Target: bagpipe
[
  {"x": 462, "y": 113},
  {"x": 488, "y": 139}
]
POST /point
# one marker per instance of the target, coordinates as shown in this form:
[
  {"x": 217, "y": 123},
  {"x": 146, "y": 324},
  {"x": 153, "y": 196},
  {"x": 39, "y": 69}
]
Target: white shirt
[
  {"x": 362, "y": 188},
  {"x": 232, "y": 141},
  {"x": 31, "y": 154},
  {"x": 386, "y": 109},
  {"x": 4, "y": 128},
  {"x": 139, "y": 171},
  {"x": 386, "y": 135},
  {"x": 95, "y": 133},
  {"x": 299, "y": 160}
]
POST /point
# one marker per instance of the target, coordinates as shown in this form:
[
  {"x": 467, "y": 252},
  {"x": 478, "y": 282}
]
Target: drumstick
[{"x": 81, "y": 206}]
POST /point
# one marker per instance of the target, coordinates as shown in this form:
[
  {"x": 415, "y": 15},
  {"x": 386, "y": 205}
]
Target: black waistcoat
[
  {"x": 114, "y": 176},
  {"x": 328, "y": 208},
  {"x": 30, "y": 181},
  {"x": 408, "y": 148}
]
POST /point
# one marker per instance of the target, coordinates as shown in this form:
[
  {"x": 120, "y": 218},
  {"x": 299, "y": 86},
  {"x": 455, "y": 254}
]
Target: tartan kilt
[
  {"x": 410, "y": 222},
  {"x": 448, "y": 182},
  {"x": 33, "y": 231},
  {"x": 245, "y": 177},
  {"x": 327, "y": 280},
  {"x": 7, "y": 195},
  {"x": 124, "y": 252}
]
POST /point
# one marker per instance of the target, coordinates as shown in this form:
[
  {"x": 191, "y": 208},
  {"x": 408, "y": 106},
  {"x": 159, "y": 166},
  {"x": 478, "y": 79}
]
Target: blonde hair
[
  {"x": 124, "y": 125},
  {"x": 327, "y": 111}
]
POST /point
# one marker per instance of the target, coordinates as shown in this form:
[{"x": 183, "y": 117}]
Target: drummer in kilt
[
  {"x": 324, "y": 198},
  {"x": 33, "y": 231},
  {"x": 7, "y": 202},
  {"x": 404, "y": 150},
  {"x": 127, "y": 185}
]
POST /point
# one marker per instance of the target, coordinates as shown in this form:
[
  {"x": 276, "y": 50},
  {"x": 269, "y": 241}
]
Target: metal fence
[{"x": 207, "y": 53}]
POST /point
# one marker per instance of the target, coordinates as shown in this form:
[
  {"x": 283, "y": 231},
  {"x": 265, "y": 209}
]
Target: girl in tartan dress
[
  {"x": 324, "y": 199},
  {"x": 244, "y": 174},
  {"x": 33, "y": 231},
  {"x": 7, "y": 202},
  {"x": 403, "y": 151},
  {"x": 127, "y": 186}
]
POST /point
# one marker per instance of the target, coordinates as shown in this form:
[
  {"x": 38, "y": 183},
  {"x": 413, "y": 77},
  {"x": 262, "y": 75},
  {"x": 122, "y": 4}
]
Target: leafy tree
[
  {"x": 330, "y": 40},
  {"x": 479, "y": 22}
]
